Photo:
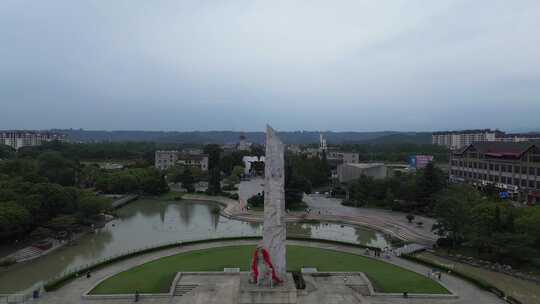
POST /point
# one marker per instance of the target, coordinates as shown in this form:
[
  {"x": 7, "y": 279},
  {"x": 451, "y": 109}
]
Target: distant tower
[{"x": 322, "y": 143}]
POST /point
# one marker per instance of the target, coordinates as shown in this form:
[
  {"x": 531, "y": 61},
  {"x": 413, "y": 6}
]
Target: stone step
[
  {"x": 26, "y": 253},
  {"x": 182, "y": 289}
]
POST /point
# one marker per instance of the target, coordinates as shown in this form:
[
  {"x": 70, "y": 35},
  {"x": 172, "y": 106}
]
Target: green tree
[
  {"x": 431, "y": 180},
  {"x": 89, "y": 176},
  {"x": 237, "y": 171},
  {"x": 214, "y": 152},
  {"x": 41, "y": 233},
  {"x": 91, "y": 205},
  {"x": 57, "y": 169},
  {"x": 257, "y": 150},
  {"x": 214, "y": 183},
  {"x": 187, "y": 180},
  {"x": 152, "y": 181},
  {"x": 6, "y": 152},
  {"x": 528, "y": 223},
  {"x": 326, "y": 173},
  {"x": 63, "y": 222},
  {"x": 14, "y": 219},
  {"x": 453, "y": 212},
  {"x": 360, "y": 190}
]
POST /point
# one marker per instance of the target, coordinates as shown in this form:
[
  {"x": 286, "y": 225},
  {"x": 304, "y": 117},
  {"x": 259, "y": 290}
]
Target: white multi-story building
[
  {"x": 459, "y": 139},
  {"x": 19, "y": 139},
  {"x": 456, "y": 140},
  {"x": 167, "y": 159}
]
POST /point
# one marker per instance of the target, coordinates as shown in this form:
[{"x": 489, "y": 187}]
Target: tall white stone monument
[{"x": 274, "y": 228}]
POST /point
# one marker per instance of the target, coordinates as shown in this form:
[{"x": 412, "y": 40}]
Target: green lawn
[{"x": 157, "y": 276}]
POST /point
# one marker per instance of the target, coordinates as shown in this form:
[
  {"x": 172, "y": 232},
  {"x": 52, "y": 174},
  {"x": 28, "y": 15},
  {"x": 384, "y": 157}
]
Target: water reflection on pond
[{"x": 147, "y": 223}]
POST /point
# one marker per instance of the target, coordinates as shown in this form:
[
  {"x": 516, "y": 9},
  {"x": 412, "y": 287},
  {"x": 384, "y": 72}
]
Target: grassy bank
[
  {"x": 522, "y": 290},
  {"x": 156, "y": 276}
]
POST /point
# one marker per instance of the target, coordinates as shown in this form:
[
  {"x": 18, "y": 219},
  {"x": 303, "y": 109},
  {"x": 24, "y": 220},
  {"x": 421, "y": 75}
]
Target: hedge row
[{"x": 475, "y": 281}]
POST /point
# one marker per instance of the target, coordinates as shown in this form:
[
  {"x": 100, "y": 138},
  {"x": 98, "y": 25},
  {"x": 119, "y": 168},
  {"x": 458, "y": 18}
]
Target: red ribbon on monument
[{"x": 268, "y": 262}]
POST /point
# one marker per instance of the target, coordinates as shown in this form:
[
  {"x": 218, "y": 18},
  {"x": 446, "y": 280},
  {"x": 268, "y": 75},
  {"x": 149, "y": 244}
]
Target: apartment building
[
  {"x": 167, "y": 159},
  {"x": 459, "y": 139},
  {"x": 19, "y": 139},
  {"x": 512, "y": 167}
]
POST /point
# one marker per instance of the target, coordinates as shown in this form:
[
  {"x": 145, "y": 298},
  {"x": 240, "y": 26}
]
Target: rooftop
[{"x": 500, "y": 149}]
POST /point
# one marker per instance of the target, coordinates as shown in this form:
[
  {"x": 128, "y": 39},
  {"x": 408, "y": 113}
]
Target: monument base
[{"x": 284, "y": 293}]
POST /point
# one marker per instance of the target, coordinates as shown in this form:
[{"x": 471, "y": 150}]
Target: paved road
[{"x": 71, "y": 293}]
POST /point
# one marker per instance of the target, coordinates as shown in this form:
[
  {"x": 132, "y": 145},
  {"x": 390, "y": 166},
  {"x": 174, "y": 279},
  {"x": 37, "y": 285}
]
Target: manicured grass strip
[
  {"x": 499, "y": 283},
  {"x": 157, "y": 276}
]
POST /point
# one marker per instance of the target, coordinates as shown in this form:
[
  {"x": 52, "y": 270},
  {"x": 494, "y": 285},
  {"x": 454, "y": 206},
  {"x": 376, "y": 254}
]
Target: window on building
[
  {"x": 496, "y": 168},
  {"x": 532, "y": 170},
  {"x": 496, "y": 179},
  {"x": 484, "y": 176},
  {"x": 490, "y": 166},
  {"x": 537, "y": 171},
  {"x": 503, "y": 179},
  {"x": 516, "y": 169},
  {"x": 490, "y": 178},
  {"x": 474, "y": 175},
  {"x": 503, "y": 168},
  {"x": 475, "y": 165},
  {"x": 516, "y": 181},
  {"x": 523, "y": 183},
  {"x": 538, "y": 185},
  {"x": 523, "y": 170},
  {"x": 531, "y": 184}
]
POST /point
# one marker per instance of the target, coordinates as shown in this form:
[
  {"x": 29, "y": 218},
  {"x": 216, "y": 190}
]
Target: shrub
[
  {"x": 256, "y": 201},
  {"x": 230, "y": 188},
  {"x": 7, "y": 262},
  {"x": 41, "y": 233}
]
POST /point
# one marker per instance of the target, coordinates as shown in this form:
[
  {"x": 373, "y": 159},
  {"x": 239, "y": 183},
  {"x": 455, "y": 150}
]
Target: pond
[{"x": 148, "y": 223}]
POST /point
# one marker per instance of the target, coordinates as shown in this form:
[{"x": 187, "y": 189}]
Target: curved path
[
  {"x": 72, "y": 292},
  {"x": 328, "y": 210}
]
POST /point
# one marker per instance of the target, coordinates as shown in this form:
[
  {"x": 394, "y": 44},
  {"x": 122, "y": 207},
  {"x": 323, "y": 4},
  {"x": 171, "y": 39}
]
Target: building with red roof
[{"x": 513, "y": 167}]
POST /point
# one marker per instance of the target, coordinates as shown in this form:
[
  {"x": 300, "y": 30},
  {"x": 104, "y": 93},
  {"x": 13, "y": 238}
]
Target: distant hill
[
  {"x": 402, "y": 138},
  {"x": 220, "y": 137}
]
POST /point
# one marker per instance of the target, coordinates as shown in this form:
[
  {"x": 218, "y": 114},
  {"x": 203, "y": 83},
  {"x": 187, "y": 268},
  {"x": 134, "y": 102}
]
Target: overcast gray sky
[{"x": 239, "y": 64}]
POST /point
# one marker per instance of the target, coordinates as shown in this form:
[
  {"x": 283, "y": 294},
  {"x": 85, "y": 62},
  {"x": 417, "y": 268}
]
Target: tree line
[
  {"x": 409, "y": 192},
  {"x": 395, "y": 152},
  {"x": 46, "y": 191},
  {"x": 467, "y": 218}
]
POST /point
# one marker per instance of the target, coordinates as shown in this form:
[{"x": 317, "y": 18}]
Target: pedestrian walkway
[{"x": 72, "y": 292}]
